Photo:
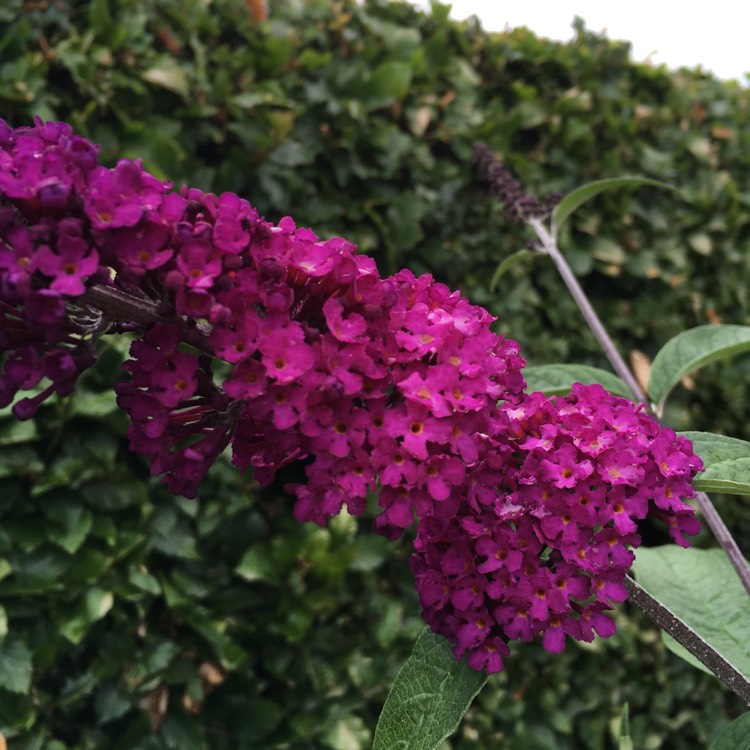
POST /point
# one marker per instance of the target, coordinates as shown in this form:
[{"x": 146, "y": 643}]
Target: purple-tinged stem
[{"x": 549, "y": 247}]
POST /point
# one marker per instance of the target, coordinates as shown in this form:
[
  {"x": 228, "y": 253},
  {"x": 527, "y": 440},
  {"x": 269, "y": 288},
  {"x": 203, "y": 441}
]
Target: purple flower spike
[
  {"x": 527, "y": 508},
  {"x": 544, "y": 548}
]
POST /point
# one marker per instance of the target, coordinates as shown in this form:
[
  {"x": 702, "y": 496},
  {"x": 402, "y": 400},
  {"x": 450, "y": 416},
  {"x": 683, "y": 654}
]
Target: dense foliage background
[{"x": 132, "y": 619}]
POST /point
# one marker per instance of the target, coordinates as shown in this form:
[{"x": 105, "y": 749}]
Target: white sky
[{"x": 713, "y": 35}]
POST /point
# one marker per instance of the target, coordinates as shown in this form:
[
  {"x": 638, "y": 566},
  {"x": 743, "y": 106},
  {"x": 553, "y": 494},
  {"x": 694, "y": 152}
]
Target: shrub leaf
[
  {"x": 431, "y": 694},
  {"x": 507, "y": 263},
  {"x": 586, "y": 192},
  {"x": 701, "y": 588},
  {"x": 690, "y": 350},
  {"x": 734, "y": 736},
  {"x": 726, "y": 463},
  {"x": 15, "y": 666},
  {"x": 558, "y": 379}
]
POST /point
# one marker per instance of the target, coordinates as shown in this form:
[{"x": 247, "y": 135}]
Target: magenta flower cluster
[
  {"x": 542, "y": 542},
  {"x": 288, "y": 349},
  {"x": 42, "y": 334}
]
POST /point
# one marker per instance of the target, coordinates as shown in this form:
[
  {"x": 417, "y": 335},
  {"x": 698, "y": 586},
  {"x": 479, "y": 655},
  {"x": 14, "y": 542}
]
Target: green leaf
[
  {"x": 250, "y": 99},
  {"x": 726, "y": 463},
  {"x": 404, "y": 219},
  {"x": 40, "y": 570},
  {"x": 369, "y": 553},
  {"x": 690, "y": 350},
  {"x": 716, "y": 449},
  {"x": 557, "y": 380},
  {"x": 257, "y": 564},
  {"x": 431, "y": 694},
  {"x": 679, "y": 650},
  {"x": 88, "y": 566},
  {"x": 94, "y": 605},
  {"x": 100, "y": 19},
  {"x": 110, "y": 703},
  {"x": 19, "y": 460},
  {"x": 229, "y": 653},
  {"x": 260, "y": 717},
  {"x": 390, "y": 81},
  {"x": 586, "y": 192},
  {"x": 349, "y": 733},
  {"x": 624, "y": 740},
  {"x": 510, "y": 262},
  {"x": 171, "y": 534},
  {"x": 169, "y": 74},
  {"x": 70, "y": 522},
  {"x": 701, "y": 243},
  {"x": 15, "y": 666},
  {"x": 389, "y": 625},
  {"x": 95, "y": 404},
  {"x": 181, "y": 731},
  {"x": 731, "y": 477},
  {"x": 114, "y": 494},
  {"x": 13, "y": 431},
  {"x": 700, "y": 587},
  {"x": 144, "y": 581},
  {"x": 736, "y": 736},
  {"x": 607, "y": 251}
]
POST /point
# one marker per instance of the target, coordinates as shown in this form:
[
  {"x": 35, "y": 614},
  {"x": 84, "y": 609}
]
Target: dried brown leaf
[
  {"x": 155, "y": 704},
  {"x": 258, "y": 10},
  {"x": 210, "y": 675},
  {"x": 641, "y": 366}
]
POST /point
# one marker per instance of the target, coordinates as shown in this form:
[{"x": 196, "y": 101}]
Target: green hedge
[{"x": 131, "y": 619}]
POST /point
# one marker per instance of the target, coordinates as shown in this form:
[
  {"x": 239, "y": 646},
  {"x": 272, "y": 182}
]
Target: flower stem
[
  {"x": 713, "y": 519},
  {"x": 687, "y": 637},
  {"x": 121, "y": 307},
  {"x": 549, "y": 247},
  {"x": 725, "y": 538}
]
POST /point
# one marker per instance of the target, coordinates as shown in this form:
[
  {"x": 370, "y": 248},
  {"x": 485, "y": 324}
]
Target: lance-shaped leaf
[
  {"x": 625, "y": 742},
  {"x": 510, "y": 262},
  {"x": 735, "y": 736},
  {"x": 701, "y": 588},
  {"x": 428, "y": 699},
  {"x": 586, "y": 192},
  {"x": 557, "y": 380},
  {"x": 726, "y": 463},
  {"x": 690, "y": 350}
]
